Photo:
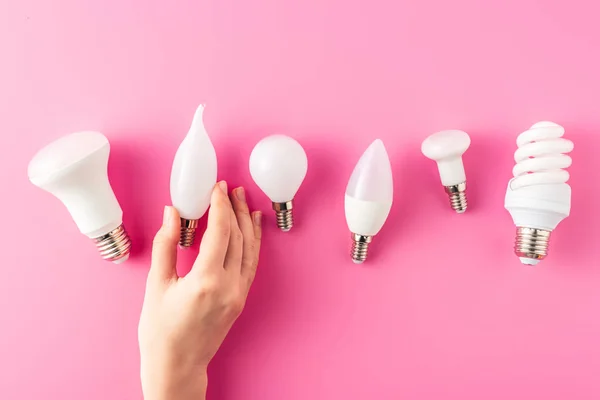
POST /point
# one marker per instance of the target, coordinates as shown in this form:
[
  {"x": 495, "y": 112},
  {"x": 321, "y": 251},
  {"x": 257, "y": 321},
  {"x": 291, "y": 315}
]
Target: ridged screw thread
[
  {"x": 532, "y": 243},
  {"x": 458, "y": 197},
  {"x": 114, "y": 246},
  {"x": 188, "y": 232},
  {"x": 285, "y": 215},
  {"x": 360, "y": 248}
]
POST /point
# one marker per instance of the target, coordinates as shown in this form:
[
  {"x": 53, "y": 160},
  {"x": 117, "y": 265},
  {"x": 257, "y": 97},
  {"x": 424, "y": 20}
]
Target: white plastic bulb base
[
  {"x": 193, "y": 177},
  {"x": 368, "y": 198},
  {"x": 446, "y": 149},
  {"x": 278, "y": 165},
  {"x": 74, "y": 169},
  {"x": 536, "y": 211},
  {"x": 538, "y": 197}
]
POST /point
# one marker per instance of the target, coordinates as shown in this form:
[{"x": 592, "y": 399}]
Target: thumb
[{"x": 164, "y": 248}]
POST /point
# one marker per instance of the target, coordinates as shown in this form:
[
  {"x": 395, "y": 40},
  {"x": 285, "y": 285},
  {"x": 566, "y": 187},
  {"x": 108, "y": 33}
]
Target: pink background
[{"x": 442, "y": 310}]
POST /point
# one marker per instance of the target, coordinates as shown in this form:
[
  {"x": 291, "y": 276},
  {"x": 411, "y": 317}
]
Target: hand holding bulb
[
  {"x": 368, "y": 199},
  {"x": 193, "y": 176},
  {"x": 278, "y": 165},
  {"x": 185, "y": 319},
  {"x": 446, "y": 149}
]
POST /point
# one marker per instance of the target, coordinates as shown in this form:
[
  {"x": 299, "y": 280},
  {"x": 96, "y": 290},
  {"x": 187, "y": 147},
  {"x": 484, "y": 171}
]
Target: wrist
[{"x": 175, "y": 384}]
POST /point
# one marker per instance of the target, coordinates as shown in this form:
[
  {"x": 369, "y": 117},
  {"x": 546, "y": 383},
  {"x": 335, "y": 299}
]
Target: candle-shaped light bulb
[
  {"x": 193, "y": 177},
  {"x": 369, "y": 198}
]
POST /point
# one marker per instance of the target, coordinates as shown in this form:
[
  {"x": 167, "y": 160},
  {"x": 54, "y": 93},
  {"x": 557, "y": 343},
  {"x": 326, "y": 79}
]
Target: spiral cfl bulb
[
  {"x": 74, "y": 169},
  {"x": 446, "y": 149},
  {"x": 538, "y": 197},
  {"x": 278, "y": 165}
]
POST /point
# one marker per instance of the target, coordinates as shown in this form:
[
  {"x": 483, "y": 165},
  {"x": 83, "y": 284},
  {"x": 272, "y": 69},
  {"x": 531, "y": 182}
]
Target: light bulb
[
  {"x": 278, "y": 165},
  {"x": 74, "y": 169},
  {"x": 538, "y": 197},
  {"x": 368, "y": 199},
  {"x": 193, "y": 177},
  {"x": 446, "y": 148}
]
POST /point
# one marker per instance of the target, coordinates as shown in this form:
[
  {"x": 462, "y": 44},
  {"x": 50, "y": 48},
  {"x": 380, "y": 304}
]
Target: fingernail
[
  {"x": 223, "y": 186},
  {"x": 258, "y": 218},
  {"x": 168, "y": 216},
  {"x": 240, "y": 194}
]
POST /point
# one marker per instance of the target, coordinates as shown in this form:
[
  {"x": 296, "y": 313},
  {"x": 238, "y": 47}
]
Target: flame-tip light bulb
[
  {"x": 278, "y": 165},
  {"x": 446, "y": 149},
  {"x": 538, "y": 197},
  {"x": 193, "y": 176},
  {"x": 74, "y": 169},
  {"x": 368, "y": 199}
]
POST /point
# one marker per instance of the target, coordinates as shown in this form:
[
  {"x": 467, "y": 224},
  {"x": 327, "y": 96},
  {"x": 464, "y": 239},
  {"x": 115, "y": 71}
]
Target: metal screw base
[
  {"x": 531, "y": 244},
  {"x": 360, "y": 247},
  {"x": 115, "y": 245},
  {"x": 458, "y": 197},
  {"x": 285, "y": 216},
  {"x": 188, "y": 232}
]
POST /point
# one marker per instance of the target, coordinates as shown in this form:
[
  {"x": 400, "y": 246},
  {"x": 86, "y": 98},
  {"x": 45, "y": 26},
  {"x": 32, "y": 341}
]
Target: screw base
[
  {"x": 531, "y": 245},
  {"x": 458, "y": 197},
  {"x": 360, "y": 248},
  {"x": 188, "y": 232},
  {"x": 285, "y": 215},
  {"x": 114, "y": 246}
]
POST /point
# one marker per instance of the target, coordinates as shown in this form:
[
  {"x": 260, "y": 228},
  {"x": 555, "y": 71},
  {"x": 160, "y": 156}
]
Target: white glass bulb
[
  {"x": 446, "y": 149},
  {"x": 278, "y": 165},
  {"x": 538, "y": 197},
  {"x": 193, "y": 176},
  {"x": 369, "y": 197},
  {"x": 74, "y": 169}
]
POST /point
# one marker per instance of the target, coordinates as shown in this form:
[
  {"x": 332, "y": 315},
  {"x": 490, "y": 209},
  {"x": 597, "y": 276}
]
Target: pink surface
[{"x": 442, "y": 310}]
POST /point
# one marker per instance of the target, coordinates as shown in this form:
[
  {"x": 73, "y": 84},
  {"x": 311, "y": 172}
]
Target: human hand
[{"x": 184, "y": 320}]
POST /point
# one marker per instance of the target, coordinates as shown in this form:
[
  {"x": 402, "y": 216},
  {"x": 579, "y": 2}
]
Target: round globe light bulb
[{"x": 278, "y": 165}]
